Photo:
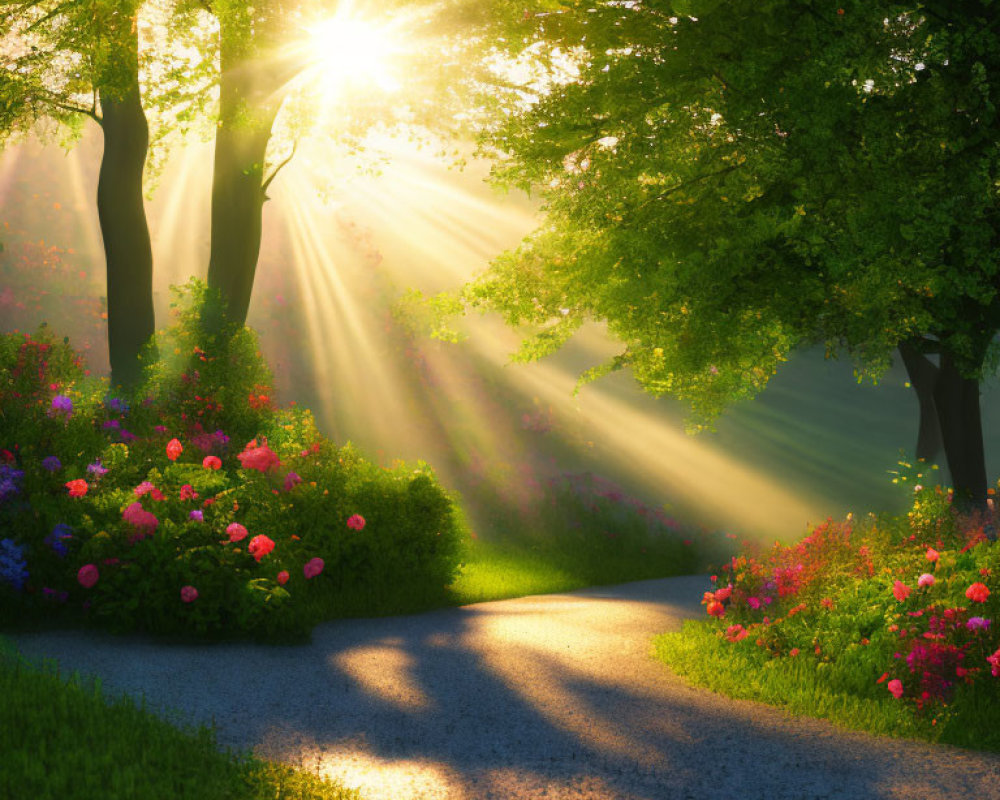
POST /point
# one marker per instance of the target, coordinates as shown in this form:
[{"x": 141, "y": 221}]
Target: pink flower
[
  {"x": 188, "y": 492},
  {"x": 174, "y": 449},
  {"x": 900, "y": 591},
  {"x": 261, "y": 458},
  {"x": 88, "y": 575},
  {"x": 925, "y": 580},
  {"x": 292, "y": 480},
  {"x": 994, "y": 661},
  {"x": 77, "y": 488},
  {"x": 977, "y": 592},
  {"x": 932, "y": 554},
  {"x": 312, "y": 568},
  {"x": 753, "y": 602},
  {"x": 736, "y": 633},
  {"x": 143, "y": 488},
  {"x": 356, "y": 522},
  {"x": 236, "y": 532},
  {"x": 283, "y": 577},
  {"x": 189, "y": 594},
  {"x": 895, "y": 688},
  {"x": 136, "y": 516},
  {"x": 723, "y": 593},
  {"x": 260, "y": 546},
  {"x": 211, "y": 462}
]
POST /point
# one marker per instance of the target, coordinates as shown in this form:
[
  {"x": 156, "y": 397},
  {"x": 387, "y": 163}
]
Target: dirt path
[{"x": 554, "y": 696}]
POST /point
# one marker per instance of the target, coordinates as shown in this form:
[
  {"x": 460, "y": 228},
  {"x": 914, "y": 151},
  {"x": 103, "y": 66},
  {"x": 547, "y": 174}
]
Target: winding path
[{"x": 551, "y": 697}]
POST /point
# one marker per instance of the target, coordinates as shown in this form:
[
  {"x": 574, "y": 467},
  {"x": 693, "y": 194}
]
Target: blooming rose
[
  {"x": 900, "y": 591},
  {"x": 977, "y": 593},
  {"x": 88, "y": 575},
  {"x": 174, "y": 449},
  {"x": 261, "y": 458},
  {"x": 896, "y": 688},
  {"x": 925, "y": 580},
  {"x": 356, "y": 522},
  {"x": 236, "y": 532},
  {"x": 77, "y": 488},
  {"x": 211, "y": 462},
  {"x": 260, "y": 546},
  {"x": 189, "y": 594},
  {"x": 283, "y": 577},
  {"x": 312, "y": 568}
]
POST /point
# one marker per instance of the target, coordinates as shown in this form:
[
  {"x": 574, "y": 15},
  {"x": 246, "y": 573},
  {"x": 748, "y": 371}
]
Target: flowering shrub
[
  {"x": 904, "y": 607},
  {"x": 143, "y": 520}
]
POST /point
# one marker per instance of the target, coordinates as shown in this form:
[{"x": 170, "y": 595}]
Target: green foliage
[
  {"x": 719, "y": 200},
  {"x": 840, "y": 623},
  {"x": 48, "y": 726},
  {"x": 181, "y": 489}
]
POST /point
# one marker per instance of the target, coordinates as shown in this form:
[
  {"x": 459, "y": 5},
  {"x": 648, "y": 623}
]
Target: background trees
[{"x": 726, "y": 182}]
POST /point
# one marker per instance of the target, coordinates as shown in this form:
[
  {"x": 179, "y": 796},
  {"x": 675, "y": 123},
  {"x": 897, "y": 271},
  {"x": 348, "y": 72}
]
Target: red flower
[
  {"x": 716, "y": 609},
  {"x": 260, "y": 458},
  {"x": 283, "y": 577},
  {"x": 236, "y": 532},
  {"x": 77, "y": 488},
  {"x": 932, "y": 554},
  {"x": 260, "y": 546},
  {"x": 174, "y": 449},
  {"x": 978, "y": 592},
  {"x": 211, "y": 462},
  {"x": 356, "y": 522},
  {"x": 900, "y": 591},
  {"x": 189, "y": 594}
]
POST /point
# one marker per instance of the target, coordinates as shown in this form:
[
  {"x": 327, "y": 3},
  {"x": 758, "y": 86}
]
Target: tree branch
[{"x": 277, "y": 169}]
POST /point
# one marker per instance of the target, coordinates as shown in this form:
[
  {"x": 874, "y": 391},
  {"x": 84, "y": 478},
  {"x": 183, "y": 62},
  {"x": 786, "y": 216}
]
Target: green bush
[{"x": 195, "y": 506}]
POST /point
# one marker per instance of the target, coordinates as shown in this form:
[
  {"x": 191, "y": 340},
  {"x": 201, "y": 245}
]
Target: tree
[
  {"x": 724, "y": 182},
  {"x": 57, "y": 57}
]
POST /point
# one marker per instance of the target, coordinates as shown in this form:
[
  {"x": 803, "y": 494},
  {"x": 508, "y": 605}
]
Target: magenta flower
[
  {"x": 356, "y": 522},
  {"x": 292, "y": 480},
  {"x": 61, "y": 404},
  {"x": 88, "y": 575},
  {"x": 236, "y": 532},
  {"x": 189, "y": 594},
  {"x": 895, "y": 688},
  {"x": 312, "y": 567},
  {"x": 136, "y": 516},
  {"x": 994, "y": 661},
  {"x": 197, "y": 515},
  {"x": 978, "y": 624}
]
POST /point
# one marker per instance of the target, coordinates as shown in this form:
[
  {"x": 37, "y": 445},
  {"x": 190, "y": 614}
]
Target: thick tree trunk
[
  {"x": 122, "y": 216},
  {"x": 923, "y": 374},
  {"x": 957, "y": 402}
]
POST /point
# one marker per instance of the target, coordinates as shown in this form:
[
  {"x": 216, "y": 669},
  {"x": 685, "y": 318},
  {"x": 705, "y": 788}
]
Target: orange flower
[
  {"x": 77, "y": 488},
  {"x": 977, "y": 592},
  {"x": 174, "y": 449}
]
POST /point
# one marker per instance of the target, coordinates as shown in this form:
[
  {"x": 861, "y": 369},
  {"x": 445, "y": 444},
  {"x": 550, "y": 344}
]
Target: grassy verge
[
  {"x": 887, "y": 625},
  {"x": 64, "y": 740}
]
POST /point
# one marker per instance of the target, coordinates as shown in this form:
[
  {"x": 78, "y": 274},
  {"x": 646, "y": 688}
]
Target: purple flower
[
  {"x": 116, "y": 405},
  {"x": 51, "y": 463},
  {"x": 97, "y": 469},
  {"x": 10, "y": 480},
  {"x": 160, "y": 428},
  {"x": 292, "y": 480},
  {"x": 978, "y": 624},
  {"x": 197, "y": 515},
  {"x": 13, "y": 565},
  {"x": 111, "y": 424},
  {"x": 55, "y": 539},
  {"x": 61, "y": 404}
]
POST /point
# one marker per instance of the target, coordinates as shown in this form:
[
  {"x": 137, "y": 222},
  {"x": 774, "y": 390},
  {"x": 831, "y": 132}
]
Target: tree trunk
[
  {"x": 122, "y": 215},
  {"x": 957, "y": 402},
  {"x": 247, "y": 108},
  {"x": 923, "y": 376}
]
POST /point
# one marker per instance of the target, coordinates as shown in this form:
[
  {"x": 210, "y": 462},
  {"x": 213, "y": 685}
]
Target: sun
[{"x": 349, "y": 52}]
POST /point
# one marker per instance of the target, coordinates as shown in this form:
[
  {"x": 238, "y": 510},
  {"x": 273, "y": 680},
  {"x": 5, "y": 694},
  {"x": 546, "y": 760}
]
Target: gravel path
[{"x": 551, "y": 697}]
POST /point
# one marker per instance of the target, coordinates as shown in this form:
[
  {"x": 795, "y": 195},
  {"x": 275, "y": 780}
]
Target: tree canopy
[{"x": 726, "y": 181}]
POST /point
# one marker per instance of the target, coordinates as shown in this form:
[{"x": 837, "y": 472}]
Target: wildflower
[
  {"x": 188, "y": 492},
  {"x": 793, "y": 652},
  {"x": 260, "y": 546},
  {"x": 292, "y": 480},
  {"x": 978, "y": 624},
  {"x": 116, "y": 405},
  {"x": 61, "y": 404},
  {"x": 753, "y": 602},
  {"x": 356, "y": 522},
  {"x": 720, "y": 594},
  {"x": 77, "y": 488},
  {"x": 161, "y": 428},
  {"x": 283, "y": 577},
  {"x": 314, "y": 567},
  {"x": 236, "y": 532},
  {"x": 197, "y": 515},
  {"x": 925, "y": 580},
  {"x": 13, "y": 564},
  {"x": 136, "y": 516},
  {"x": 51, "y": 463},
  {"x": 994, "y": 661},
  {"x": 143, "y": 488},
  {"x": 895, "y": 688},
  {"x": 189, "y": 594},
  {"x": 900, "y": 591},
  {"x": 88, "y": 575},
  {"x": 716, "y": 609},
  {"x": 977, "y": 592},
  {"x": 826, "y": 602},
  {"x": 174, "y": 449},
  {"x": 211, "y": 462},
  {"x": 55, "y": 539},
  {"x": 261, "y": 458},
  {"x": 96, "y": 470},
  {"x": 932, "y": 554},
  {"x": 736, "y": 633}
]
